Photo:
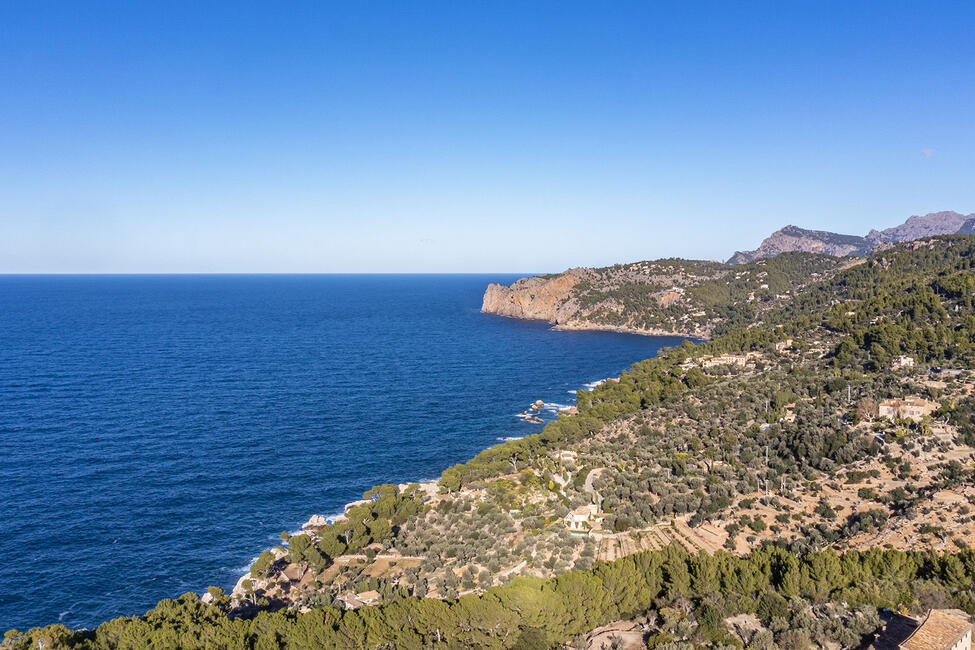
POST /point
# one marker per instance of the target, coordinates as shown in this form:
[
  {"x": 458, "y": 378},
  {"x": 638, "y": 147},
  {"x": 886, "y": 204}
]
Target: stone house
[
  {"x": 942, "y": 629},
  {"x": 909, "y": 408},
  {"x": 349, "y": 600}
]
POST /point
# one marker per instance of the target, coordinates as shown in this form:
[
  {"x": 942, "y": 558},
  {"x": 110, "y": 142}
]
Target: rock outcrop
[{"x": 538, "y": 298}]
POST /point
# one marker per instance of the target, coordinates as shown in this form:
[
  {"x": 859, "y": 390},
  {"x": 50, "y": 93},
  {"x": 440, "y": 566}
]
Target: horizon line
[{"x": 198, "y": 273}]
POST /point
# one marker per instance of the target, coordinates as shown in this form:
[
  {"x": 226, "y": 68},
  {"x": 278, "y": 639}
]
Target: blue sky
[{"x": 469, "y": 136}]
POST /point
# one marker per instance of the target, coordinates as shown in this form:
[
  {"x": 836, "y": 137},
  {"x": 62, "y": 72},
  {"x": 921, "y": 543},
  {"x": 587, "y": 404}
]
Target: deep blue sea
[{"x": 158, "y": 432}]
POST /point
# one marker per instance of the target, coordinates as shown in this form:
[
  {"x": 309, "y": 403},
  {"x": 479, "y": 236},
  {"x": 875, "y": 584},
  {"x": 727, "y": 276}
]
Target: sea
[{"x": 157, "y": 432}]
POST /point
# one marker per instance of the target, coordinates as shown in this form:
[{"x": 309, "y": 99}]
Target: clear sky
[{"x": 469, "y": 136}]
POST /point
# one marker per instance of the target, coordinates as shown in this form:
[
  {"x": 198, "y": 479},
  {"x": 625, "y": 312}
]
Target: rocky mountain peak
[
  {"x": 793, "y": 238},
  {"x": 918, "y": 226}
]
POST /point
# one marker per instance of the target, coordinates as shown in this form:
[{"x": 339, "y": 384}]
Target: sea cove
[{"x": 158, "y": 432}]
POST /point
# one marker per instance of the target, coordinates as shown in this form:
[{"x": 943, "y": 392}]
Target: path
[{"x": 589, "y": 489}]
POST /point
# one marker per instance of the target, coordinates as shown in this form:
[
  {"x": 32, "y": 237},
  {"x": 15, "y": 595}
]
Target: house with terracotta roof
[
  {"x": 349, "y": 600},
  {"x": 941, "y": 629},
  {"x": 292, "y": 573},
  {"x": 909, "y": 408}
]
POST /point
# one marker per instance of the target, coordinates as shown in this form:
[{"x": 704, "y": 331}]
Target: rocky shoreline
[
  {"x": 496, "y": 296},
  {"x": 588, "y": 326},
  {"x": 598, "y": 327},
  {"x": 242, "y": 595},
  {"x": 247, "y": 584}
]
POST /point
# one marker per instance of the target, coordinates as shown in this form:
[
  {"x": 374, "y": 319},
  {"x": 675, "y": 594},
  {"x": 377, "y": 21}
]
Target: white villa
[
  {"x": 584, "y": 518},
  {"x": 902, "y": 362}
]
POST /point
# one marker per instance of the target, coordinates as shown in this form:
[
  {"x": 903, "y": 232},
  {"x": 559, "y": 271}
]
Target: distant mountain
[
  {"x": 792, "y": 238},
  {"x": 935, "y": 223}
]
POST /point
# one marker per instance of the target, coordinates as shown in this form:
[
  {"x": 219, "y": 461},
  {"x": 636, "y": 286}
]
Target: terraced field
[{"x": 706, "y": 537}]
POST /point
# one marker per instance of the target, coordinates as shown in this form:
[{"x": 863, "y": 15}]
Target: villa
[
  {"x": 940, "y": 629},
  {"x": 349, "y": 600},
  {"x": 902, "y": 362},
  {"x": 908, "y": 408},
  {"x": 584, "y": 518}
]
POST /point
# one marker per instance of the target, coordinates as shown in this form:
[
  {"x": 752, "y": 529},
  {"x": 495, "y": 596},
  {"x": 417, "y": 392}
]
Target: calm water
[{"x": 158, "y": 432}]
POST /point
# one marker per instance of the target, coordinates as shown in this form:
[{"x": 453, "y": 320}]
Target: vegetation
[
  {"x": 687, "y": 296},
  {"x": 830, "y": 597}
]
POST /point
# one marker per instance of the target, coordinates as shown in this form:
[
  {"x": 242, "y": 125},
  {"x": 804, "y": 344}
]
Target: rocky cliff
[
  {"x": 698, "y": 298},
  {"x": 539, "y": 297}
]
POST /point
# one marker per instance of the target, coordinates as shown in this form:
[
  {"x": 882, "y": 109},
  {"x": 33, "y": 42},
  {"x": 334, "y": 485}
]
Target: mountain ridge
[{"x": 794, "y": 238}]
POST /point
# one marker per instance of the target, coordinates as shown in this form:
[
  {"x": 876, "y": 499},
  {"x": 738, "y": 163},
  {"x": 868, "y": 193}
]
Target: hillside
[
  {"x": 779, "y": 485},
  {"x": 671, "y": 296}
]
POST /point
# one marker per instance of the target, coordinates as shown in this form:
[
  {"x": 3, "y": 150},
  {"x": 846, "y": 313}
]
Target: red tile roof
[{"x": 939, "y": 631}]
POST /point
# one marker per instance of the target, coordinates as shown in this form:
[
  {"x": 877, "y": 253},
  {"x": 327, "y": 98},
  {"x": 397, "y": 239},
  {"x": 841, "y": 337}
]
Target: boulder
[{"x": 316, "y": 521}]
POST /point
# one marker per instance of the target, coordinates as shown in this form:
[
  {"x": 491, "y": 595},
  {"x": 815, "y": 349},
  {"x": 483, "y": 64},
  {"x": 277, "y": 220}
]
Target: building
[
  {"x": 941, "y": 629},
  {"x": 568, "y": 456},
  {"x": 902, "y": 362},
  {"x": 789, "y": 414},
  {"x": 584, "y": 518},
  {"x": 349, "y": 600},
  {"x": 369, "y": 597},
  {"x": 909, "y": 408},
  {"x": 782, "y": 346},
  {"x": 725, "y": 359}
]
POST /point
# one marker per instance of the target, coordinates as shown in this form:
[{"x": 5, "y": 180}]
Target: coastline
[
  {"x": 596, "y": 327},
  {"x": 239, "y": 592},
  {"x": 246, "y": 584},
  {"x": 599, "y": 327}
]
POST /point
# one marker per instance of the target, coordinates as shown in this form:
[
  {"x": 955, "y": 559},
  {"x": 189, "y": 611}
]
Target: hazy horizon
[{"x": 446, "y": 138}]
